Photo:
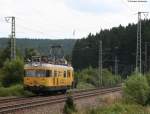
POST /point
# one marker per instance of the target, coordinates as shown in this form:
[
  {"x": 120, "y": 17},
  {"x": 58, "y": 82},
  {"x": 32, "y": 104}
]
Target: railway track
[{"x": 15, "y": 104}]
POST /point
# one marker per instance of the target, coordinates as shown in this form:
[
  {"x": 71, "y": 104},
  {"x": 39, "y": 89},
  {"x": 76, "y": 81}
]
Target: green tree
[
  {"x": 12, "y": 72},
  {"x": 5, "y": 54},
  {"x": 86, "y": 50},
  {"x": 29, "y": 52}
]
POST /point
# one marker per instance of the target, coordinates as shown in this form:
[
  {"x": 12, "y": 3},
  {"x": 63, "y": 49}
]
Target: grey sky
[{"x": 58, "y": 18}]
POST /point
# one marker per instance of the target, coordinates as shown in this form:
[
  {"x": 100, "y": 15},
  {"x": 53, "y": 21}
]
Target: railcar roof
[{"x": 46, "y": 65}]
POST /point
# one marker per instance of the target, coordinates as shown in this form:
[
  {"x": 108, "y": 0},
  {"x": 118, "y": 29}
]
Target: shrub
[
  {"x": 91, "y": 76},
  {"x": 12, "y": 72},
  {"x": 136, "y": 89},
  {"x": 84, "y": 85},
  {"x": 119, "y": 108},
  {"x": 15, "y": 90},
  {"x": 69, "y": 106},
  {"x": 148, "y": 78}
]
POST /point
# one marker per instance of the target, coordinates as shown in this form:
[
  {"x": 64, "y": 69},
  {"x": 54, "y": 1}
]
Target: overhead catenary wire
[{"x": 126, "y": 5}]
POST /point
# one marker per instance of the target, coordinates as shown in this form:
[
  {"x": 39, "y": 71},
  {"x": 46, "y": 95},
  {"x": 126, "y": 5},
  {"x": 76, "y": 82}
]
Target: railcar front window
[
  {"x": 33, "y": 73},
  {"x": 30, "y": 73}
]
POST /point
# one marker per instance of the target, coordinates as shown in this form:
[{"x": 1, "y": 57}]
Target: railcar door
[
  {"x": 62, "y": 81},
  {"x": 55, "y": 78},
  {"x": 65, "y": 78}
]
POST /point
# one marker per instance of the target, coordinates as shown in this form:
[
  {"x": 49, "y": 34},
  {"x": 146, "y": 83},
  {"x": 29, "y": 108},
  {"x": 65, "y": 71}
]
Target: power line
[
  {"x": 126, "y": 5},
  {"x": 137, "y": 1},
  {"x": 38, "y": 25},
  {"x": 41, "y": 32}
]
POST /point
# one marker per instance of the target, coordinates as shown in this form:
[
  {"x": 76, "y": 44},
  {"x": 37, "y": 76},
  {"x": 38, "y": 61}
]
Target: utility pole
[
  {"x": 138, "y": 49},
  {"x": 145, "y": 57},
  {"x": 100, "y": 64},
  {"x": 116, "y": 66},
  {"x": 13, "y": 38}
]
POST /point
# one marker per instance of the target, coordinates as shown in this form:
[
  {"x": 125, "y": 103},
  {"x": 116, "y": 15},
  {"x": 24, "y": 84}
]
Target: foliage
[
  {"x": 90, "y": 77},
  {"x": 119, "y": 41},
  {"x": 148, "y": 77},
  {"x": 119, "y": 108},
  {"x": 29, "y": 52},
  {"x": 5, "y": 54},
  {"x": 16, "y": 90},
  {"x": 68, "y": 58},
  {"x": 41, "y": 45},
  {"x": 136, "y": 89},
  {"x": 12, "y": 72},
  {"x": 84, "y": 85},
  {"x": 109, "y": 79},
  {"x": 69, "y": 106}
]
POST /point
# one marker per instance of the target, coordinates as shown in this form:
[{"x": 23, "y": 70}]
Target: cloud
[
  {"x": 96, "y": 6},
  {"x": 58, "y": 18}
]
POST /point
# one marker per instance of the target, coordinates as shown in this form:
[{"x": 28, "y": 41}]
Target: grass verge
[
  {"x": 15, "y": 90},
  {"x": 118, "y": 108},
  {"x": 84, "y": 85}
]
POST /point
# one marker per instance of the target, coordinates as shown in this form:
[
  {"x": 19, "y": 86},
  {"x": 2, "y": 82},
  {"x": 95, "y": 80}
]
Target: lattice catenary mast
[
  {"x": 13, "y": 39},
  {"x": 138, "y": 50},
  {"x": 100, "y": 64}
]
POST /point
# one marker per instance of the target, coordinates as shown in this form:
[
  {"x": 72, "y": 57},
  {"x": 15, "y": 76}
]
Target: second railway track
[{"x": 24, "y": 103}]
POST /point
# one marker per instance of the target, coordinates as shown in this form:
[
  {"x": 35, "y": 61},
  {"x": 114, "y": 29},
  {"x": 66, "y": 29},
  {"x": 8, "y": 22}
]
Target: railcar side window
[
  {"x": 50, "y": 73},
  {"x": 40, "y": 73},
  {"x": 47, "y": 73}
]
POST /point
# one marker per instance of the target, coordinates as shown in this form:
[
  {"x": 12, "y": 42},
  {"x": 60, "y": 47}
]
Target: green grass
[
  {"x": 16, "y": 90},
  {"x": 84, "y": 85},
  {"x": 119, "y": 108}
]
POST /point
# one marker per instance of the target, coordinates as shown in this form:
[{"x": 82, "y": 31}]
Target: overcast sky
[{"x": 57, "y": 19}]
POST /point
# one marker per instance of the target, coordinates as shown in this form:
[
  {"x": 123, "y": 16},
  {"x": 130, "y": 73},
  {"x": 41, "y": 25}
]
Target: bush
[
  {"x": 148, "y": 78},
  {"x": 137, "y": 89},
  {"x": 91, "y": 76},
  {"x": 16, "y": 90},
  {"x": 69, "y": 106},
  {"x": 12, "y": 72},
  {"x": 84, "y": 85},
  {"x": 119, "y": 108}
]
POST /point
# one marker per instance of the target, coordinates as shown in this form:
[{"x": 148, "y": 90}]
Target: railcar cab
[{"x": 42, "y": 74}]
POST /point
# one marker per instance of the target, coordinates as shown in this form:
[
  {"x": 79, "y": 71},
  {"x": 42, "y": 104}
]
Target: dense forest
[
  {"x": 41, "y": 45},
  {"x": 117, "y": 42}
]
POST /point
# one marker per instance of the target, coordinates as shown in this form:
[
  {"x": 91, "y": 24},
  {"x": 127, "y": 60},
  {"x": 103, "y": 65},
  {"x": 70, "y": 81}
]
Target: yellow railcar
[{"x": 43, "y": 77}]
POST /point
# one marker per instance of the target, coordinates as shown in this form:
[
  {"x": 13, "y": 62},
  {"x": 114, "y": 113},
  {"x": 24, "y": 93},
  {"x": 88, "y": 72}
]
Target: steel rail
[{"x": 54, "y": 100}]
